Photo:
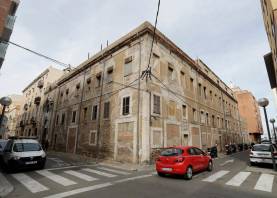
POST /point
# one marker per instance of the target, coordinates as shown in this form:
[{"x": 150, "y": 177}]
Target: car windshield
[
  {"x": 261, "y": 147},
  {"x": 24, "y": 147},
  {"x": 171, "y": 152}
]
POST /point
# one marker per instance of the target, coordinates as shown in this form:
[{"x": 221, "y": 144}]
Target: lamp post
[
  {"x": 272, "y": 120},
  {"x": 263, "y": 102},
  {"x": 4, "y": 101}
]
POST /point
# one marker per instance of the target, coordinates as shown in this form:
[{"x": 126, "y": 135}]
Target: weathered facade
[
  {"x": 31, "y": 122},
  {"x": 103, "y": 108},
  {"x": 250, "y": 112},
  {"x": 7, "y": 19}
]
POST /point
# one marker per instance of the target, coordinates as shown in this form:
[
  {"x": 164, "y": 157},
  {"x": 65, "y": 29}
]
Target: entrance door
[{"x": 71, "y": 140}]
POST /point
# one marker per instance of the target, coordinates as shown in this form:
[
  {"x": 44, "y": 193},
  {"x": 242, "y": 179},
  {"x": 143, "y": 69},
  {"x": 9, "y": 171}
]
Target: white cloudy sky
[{"x": 228, "y": 35}]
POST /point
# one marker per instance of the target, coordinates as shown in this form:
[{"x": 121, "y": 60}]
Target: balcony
[
  {"x": 40, "y": 84},
  {"x": 21, "y": 123},
  {"x": 3, "y": 49},
  {"x": 33, "y": 121},
  {"x": 10, "y": 22}
]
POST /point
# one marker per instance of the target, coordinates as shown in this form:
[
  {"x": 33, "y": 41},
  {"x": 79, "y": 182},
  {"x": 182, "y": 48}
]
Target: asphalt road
[{"x": 231, "y": 177}]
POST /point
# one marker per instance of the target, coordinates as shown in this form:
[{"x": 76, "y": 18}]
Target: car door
[
  {"x": 200, "y": 158},
  {"x": 193, "y": 158}
]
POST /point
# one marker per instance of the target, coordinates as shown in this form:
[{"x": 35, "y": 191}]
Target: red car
[{"x": 183, "y": 160}]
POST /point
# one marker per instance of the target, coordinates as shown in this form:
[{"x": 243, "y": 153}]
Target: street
[{"x": 231, "y": 177}]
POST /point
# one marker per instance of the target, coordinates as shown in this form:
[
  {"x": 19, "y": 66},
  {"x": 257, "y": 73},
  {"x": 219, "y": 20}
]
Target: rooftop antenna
[
  {"x": 101, "y": 47},
  {"x": 107, "y": 43}
]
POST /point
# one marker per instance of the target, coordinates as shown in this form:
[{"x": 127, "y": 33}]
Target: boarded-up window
[
  {"x": 106, "y": 109},
  {"x": 157, "y": 104},
  {"x": 184, "y": 111},
  {"x": 173, "y": 135},
  {"x": 63, "y": 118},
  {"x": 126, "y": 105},
  {"x": 170, "y": 73},
  {"x": 194, "y": 113},
  {"x": 128, "y": 66},
  {"x": 202, "y": 117},
  {"x": 171, "y": 108},
  {"x": 94, "y": 112},
  {"x": 93, "y": 137},
  {"x": 109, "y": 77},
  {"x": 157, "y": 138}
]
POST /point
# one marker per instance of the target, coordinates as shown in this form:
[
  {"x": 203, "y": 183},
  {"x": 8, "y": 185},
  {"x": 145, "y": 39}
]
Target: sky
[{"x": 229, "y": 36}]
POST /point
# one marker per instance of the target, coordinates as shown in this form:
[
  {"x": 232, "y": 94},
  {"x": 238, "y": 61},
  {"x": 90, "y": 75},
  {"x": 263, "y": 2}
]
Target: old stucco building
[
  {"x": 30, "y": 122},
  {"x": 102, "y": 108}
]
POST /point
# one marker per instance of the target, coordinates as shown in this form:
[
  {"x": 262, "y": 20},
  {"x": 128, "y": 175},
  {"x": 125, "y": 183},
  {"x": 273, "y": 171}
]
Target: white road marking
[
  {"x": 238, "y": 179},
  {"x": 56, "y": 178},
  {"x": 132, "y": 178},
  {"x": 5, "y": 186},
  {"x": 216, "y": 176},
  {"x": 80, "y": 175},
  {"x": 265, "y": 183},
  {"x": 31, "y": 184},
  {"x": 79, "y": 190},
  {"x": 99, "y": 172},
  {"x": 226, "y": 162},
  {"x": 114, "y": 171}
]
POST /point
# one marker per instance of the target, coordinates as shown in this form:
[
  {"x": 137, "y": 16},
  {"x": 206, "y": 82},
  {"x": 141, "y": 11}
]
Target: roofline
[{"x": 141, "y": 30}]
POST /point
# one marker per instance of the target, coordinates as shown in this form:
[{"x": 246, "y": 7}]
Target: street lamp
[
  {"x": 263, "y": 102},
  {"x": 4, "y": 101},
  {"x": 272, "y": 120}
]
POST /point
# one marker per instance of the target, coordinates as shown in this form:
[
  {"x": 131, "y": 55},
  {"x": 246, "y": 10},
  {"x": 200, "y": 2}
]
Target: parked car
[
  {"x": 261, "y": 153},
  {"x": 23, "y": 153},
  {"x": 2, "y": 146},
  {"x": 183, "y": 161}
]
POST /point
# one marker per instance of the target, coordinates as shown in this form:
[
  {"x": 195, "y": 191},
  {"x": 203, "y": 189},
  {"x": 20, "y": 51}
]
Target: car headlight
[
  {"x": 43, "y": 155},
  {"x": 16, "y": 157}
]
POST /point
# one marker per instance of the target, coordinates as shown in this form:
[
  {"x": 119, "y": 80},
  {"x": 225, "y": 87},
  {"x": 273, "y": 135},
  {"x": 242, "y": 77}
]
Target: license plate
[
  {"x": 31, "y": 162},
  {"x": 167, "y": 169}
]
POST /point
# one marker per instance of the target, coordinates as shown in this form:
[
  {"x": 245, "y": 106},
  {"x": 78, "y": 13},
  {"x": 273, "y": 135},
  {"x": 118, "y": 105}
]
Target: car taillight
[
  {"x": 179, "y": 159},
  {"x": 275, "y": 154}
]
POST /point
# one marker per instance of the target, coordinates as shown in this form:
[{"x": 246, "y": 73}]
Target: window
[
  {"x": 109, "y": 77},
  {"x": 199, "y": 89},
  {"x": 128, "y": 66},
  {"x": 157, "y": 104},
  {"x": 170, "y": 73},
  {"x": 191, "y": 84},
  {"x": 207, "y": 119},
  {"x": 106, "y": 109},
  {"x": 213, "y": 121},
  {"x": 205, "y": 92},
  {"x": 126, "y": 105},
  {"x": 183, "y": 78},
  {"x": 73, "y": 120},
  {"x": 93, "y": 137},
  {"x": 85, "y": 112},
  {"x": 94, "y": 112},
  {"x": 194, "y": 113},
  {"x": 63, "y": 118},
  {"x": 184, "y": 111},
  {"x": 202, "y": 117},
  {"x": 211, "y": 95},
  {"x": 98, "y": 80}
]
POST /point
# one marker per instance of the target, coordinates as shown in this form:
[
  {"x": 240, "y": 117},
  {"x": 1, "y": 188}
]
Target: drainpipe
[
  {"x": 99, "y": 114},
  {"x": 138, "y": 110},
  {"x": 80, "y": 109}
]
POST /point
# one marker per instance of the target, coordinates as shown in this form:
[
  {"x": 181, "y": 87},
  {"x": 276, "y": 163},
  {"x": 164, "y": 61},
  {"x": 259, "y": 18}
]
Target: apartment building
[
  {"x": 30, "y": 122},
  {"x": 103, "y": 108},
  {"x": 7, "y": 19},
  {"x": 250, "y": 113}
]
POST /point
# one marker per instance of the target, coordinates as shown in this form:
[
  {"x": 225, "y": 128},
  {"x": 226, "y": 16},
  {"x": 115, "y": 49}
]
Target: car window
[
  {"x": 171, "y": 152},
  {"x": 25, "y": 147},
  {"x": 198, "y": 151},
  {"x": 191, "y": 151},
  {"x": 261, "y": 147}
]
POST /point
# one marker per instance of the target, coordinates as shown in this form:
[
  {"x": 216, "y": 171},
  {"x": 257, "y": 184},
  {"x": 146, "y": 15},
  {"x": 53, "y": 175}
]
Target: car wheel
[
  {"x": 210, "y": 166},
  {"x": 188, "y": 174},
  {"x": 161, "y": 174}
]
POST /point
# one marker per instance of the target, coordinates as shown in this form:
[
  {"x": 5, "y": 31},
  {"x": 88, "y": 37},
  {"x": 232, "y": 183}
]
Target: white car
[
  {"x": 23, "y": 153},
  {"x": 261, "y": 153}
]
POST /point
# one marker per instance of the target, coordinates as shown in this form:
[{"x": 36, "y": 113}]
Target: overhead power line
[
  {"x": 38, "y": 54},
  {"x": 148, "y": 69}
]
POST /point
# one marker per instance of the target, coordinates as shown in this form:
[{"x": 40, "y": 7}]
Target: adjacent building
[
  {"x": 30, "y": 121},
  {"x": 249, "y": 112},
  {"x": 7, "y": 19},
  {"x": 103, "y": 108}
]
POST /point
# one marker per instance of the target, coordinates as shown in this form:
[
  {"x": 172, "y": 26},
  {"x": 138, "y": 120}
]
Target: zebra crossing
[
  {"x": 90, "y": 174},
  {"x": 264, "y": 181}
]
